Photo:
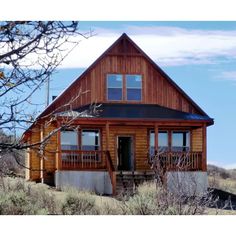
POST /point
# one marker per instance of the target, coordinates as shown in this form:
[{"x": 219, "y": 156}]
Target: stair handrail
[{"x": 111, "y": 170}]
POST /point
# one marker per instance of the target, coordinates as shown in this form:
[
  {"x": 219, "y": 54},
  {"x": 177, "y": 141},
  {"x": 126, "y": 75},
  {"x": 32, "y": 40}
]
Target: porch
[
  {"x": 93, "y": 162},
  {"x": 101, "y": 160},
  {"x": 114, "y": 147}
]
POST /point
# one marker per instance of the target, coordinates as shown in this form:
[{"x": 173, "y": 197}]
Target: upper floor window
[
  {"x": 133, "y": 87},
  {"x": 114, "y": 87},
  {"x": 124, "y": 87}
]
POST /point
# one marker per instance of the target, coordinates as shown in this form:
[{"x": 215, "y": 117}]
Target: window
[
  {"x": 180, "y": 141},
  {"x": 134, "y": 87},
  {"x": 162, "y": 141},
  {"x": 69, "y": 140},
  {"x": 118, "y": 89},
  {"x": 90, "y": 140},
  {"x": 152, "y": 143},
  {"x": 114, "y": 87}
]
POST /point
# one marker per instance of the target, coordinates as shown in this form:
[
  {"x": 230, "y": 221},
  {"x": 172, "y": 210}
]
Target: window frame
[
  {"x": 77, "y": 136},
  {"x": 160, "y": 131},
  {"x": 100, "y": 140},
  {"x": 169, "y": 140},
  {"x": 185, "y": 148},
  {"x": 122, "y": 87},
  {"x": 126, "y": 87}
]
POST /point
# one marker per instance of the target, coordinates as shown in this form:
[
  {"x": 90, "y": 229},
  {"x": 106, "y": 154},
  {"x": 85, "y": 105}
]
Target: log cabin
[{"x": 140, "y": 112}]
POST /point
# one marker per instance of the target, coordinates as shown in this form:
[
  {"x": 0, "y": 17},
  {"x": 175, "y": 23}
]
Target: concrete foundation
[
  {"x": 96, "y": 181},
  {"x": 187, "y": 183}
]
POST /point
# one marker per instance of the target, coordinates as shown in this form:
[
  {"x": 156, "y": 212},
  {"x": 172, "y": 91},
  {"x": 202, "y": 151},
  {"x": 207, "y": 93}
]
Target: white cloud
[
  {"x": 165, "y": 45},
  {"x": 228, "y": 75}
]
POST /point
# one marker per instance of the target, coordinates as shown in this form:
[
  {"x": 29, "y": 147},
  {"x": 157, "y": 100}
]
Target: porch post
[
  {"x": 42, "y": 155},
  {"x": 156, "y": 138},
  {"x": 107, "y": 135},
  {"x": 204, "y": 148},
  {"x": 58, "y": 154}
]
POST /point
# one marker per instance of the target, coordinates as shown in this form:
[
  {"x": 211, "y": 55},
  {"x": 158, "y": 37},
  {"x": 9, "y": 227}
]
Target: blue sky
[{"x": 199, "y": 56}]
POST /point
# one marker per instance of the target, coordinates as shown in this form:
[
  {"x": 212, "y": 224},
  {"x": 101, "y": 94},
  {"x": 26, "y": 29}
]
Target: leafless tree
[
  {"x": 30, "y": 52},
  {"x": 185, "y": 198}
]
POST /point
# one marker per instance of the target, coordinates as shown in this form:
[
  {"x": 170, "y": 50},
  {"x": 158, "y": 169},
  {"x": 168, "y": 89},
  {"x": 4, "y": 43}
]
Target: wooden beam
[
  {"x": 58, "y": 154},
  {"x": 204, "y": 148},
  {"x": 107, "y": 136},
  {"x": 156, "y": 138},
  {"x": 125, "y": 54},
  {"x": 42, "y": 157},
  {"x": 170, "y": 140},
  {"x": 130, "y": 121}
]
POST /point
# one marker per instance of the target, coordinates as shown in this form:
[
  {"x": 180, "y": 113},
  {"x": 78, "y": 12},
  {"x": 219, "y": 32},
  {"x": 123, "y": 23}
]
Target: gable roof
[{"x": 124, "y": 37}]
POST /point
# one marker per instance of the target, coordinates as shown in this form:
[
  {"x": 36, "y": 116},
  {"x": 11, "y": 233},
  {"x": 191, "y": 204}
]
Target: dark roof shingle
[{"x": 139, "y": 111}]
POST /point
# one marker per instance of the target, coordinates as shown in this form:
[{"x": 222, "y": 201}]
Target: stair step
[{"x": 127, "y": 181}]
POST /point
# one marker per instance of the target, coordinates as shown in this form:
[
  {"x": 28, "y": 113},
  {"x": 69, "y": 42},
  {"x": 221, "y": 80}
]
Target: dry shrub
[
  {"x": 143, "y": 202},
  {"x": 79, "y": 203},
  {"x": 18, "y": 197},
  {"x": 152, "y": 199}
]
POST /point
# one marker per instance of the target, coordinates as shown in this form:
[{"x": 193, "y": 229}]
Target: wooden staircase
[{"x": 127, "y": 181}]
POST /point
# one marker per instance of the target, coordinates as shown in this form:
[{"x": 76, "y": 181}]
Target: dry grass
[
  {"x": 228, "y": 184},
  {"x": 20, "y": 197}
]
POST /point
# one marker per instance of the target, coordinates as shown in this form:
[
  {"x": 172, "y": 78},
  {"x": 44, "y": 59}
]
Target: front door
[{"x": 125, "y": 152}]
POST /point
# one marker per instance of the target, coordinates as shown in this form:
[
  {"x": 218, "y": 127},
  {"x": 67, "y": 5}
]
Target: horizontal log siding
[
  {"x": 50, "y": 149},
  {"x": 197, "y": 140},
  {"x": 34, "y": 173},
  {"x": 34, "y": 158},
  {"x": 27, "y": 164},
  {"x": 140, "y": 144}
]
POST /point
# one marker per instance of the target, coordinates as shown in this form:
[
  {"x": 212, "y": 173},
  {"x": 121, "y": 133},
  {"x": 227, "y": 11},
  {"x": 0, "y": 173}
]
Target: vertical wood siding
[{"x": 156, "y": 89}]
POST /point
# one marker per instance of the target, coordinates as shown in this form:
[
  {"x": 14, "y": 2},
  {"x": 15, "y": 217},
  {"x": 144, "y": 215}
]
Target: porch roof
[{"x": 137, "y": 111}]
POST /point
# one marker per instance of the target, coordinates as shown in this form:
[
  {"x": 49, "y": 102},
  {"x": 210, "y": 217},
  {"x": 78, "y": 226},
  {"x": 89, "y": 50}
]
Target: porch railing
[
  {"x": 88, "y": 160},
  {"x": 79, "y": 159},
  {"x": 174, "y": 161}
]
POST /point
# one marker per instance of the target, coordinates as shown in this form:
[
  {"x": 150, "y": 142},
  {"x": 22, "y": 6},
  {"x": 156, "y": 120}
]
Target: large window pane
[
  {"x": 134, "y": 87},
  {"x": 114, "y": 87},
  {"x": 152, "y": 143},
  {"x": 114, "y": 94},
  {"x": 180, "y": 141},
  {"x": 90, "y": 140},
  {"x": 69, "y": 140},
  {"x": 163, "y": 141},
  {"x": 134, "y": 94},
  {"x": 134, "y": 81}
]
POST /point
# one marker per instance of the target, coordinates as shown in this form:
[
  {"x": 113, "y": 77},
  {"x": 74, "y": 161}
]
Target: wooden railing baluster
[
  {"x": 181, "y": 160},
  {"x": 81, "y": 159}
]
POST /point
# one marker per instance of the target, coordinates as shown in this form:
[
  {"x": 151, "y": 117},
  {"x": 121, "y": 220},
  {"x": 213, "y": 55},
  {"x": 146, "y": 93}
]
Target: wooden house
[{"x": 141, "y": 112}]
